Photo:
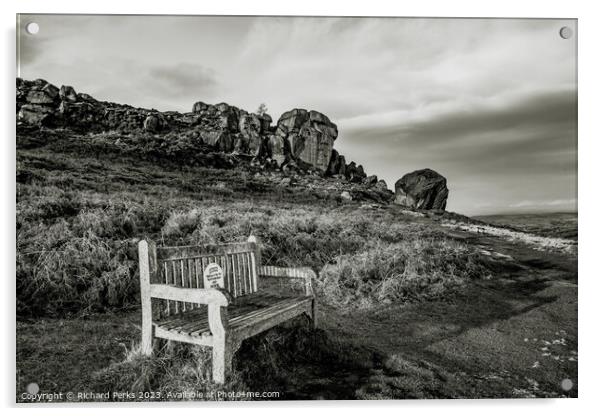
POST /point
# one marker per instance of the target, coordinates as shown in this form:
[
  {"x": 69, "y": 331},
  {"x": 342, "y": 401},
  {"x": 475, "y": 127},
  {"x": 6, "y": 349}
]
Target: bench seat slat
[{"x": 254, "y": 310}]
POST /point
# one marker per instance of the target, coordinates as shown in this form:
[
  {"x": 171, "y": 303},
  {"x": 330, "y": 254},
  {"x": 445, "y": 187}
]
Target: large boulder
[
  {"x": 81, "y": 114},
  {"x": 310, "y": 135},
  {"x": 40, "y": 97},
  {"x": 34, "y": 113},
  {"x": 355, "y": 173},
  {"x": 266, "y": 122},
  {"x": 67, "y": 93},
  {"x": 42, "y": 93},
  {"x": 250, "y": 129},
  {"x": 228, "y": 118},
  {"x": 422, "y": 189},
  {"x": 221, "y": 140},
  {"x": 36, "y": 101},
  {"x": 199, "y": 107},
  {"x": 371, "y": 180},
  {"x": 337, "y": 164},
  {"x": 152, "y": 123}
]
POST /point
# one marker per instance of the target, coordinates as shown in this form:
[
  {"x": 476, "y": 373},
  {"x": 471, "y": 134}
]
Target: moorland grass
[{"x": 77, "y": 231}]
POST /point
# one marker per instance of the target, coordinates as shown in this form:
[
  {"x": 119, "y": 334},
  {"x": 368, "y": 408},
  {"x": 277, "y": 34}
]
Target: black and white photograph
[{"x": 295, "y": 208}]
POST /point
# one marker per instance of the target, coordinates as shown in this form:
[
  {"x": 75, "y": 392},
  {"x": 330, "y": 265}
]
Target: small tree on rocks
[{"x": 262, "y": 109}]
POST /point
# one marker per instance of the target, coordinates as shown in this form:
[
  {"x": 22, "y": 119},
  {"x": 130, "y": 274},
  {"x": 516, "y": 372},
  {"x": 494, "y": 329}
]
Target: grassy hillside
[
  {"x": 79, "y": 218},
  {"x": 408, "y": 307}
]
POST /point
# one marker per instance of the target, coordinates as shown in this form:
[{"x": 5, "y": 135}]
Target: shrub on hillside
[{"x": 77, "y": 274}]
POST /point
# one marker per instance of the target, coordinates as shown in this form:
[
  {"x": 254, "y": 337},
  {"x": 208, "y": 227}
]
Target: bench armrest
[
  {"x": 302, "y": 273},
  {"x": 191, "y": 295}
]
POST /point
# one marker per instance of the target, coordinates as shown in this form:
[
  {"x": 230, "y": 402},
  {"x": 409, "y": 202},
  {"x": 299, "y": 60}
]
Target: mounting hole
[
  {"x": 32, "y": 28},
  {"x": 566, "y": 384},
  {"x": 566, "y": 32},
  {"x": 33, "y": 388}
]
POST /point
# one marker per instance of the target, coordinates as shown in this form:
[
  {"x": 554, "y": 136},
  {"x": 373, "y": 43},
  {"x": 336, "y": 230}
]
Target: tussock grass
[
  {"x": 172, "y": 368},
  {"x": 181, "y": 223},
  {"x": 411, "y": 270}
]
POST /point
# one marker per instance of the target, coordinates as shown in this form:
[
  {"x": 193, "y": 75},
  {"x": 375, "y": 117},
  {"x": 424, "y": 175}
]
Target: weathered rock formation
[
  {"x": 218, "y": 135},
  {"x": 310, "y": 134},
  {"x": 337, "y": 164},
  {"x": 422, "y": 189},
  {"x": 250, "y": 127}
]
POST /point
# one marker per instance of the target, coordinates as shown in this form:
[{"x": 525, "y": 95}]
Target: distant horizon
[
  {"x": 488, "y": 103},
  {"x": 526, "y": 213}
]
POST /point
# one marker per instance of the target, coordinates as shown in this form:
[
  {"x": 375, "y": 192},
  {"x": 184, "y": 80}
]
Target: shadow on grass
[{"x": 293, "y": 359}]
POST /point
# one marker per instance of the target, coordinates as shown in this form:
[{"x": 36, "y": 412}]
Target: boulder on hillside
[
  {"x": 86, "y": 97},
  {"x": 228, "y": 117},
  {"x": 250, "y": 129},
  {"x": 48, "y": 95},
  {"x": 422, "y": 189},
  {"x": 337, "y": 164},
  {"x": 78, "y": 114},
  {"x": 340, "y": 166},
  {"x": 199, "y": 106},
  {"x": 381, "y": 185},
  {"x": 221, "y": 140},
  {"x": 152, "y": 123},
  {"x": 371, "y": 180},
  {"x": 67, "y": 93},
  {"x": 266, "y": 122},
  {"x": 310, "y": 135},
  {"x": 34, "y": 113},
  {"x": 354, "y": 173}
]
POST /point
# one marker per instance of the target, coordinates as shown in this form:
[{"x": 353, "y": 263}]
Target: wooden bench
[{"x": 176, "y": 306}]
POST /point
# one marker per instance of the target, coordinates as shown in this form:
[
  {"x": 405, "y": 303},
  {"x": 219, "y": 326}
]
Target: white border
[{"x": 590, "y": 23}]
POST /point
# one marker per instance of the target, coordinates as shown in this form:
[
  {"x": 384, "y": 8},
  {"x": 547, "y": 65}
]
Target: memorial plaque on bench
[{"x": 213, "y": 276}]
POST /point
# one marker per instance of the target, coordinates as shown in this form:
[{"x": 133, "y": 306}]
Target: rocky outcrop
[
  {"x": 422, "y": 189},
  {"x": 36, "y": 101},
  {"x": 355, "y": 173},
  {"x": 199, "y": 106},
  {"x": 310, "y": 135},
  {"x": 371, "y": 180},
  {"x": 214, "y": 135},
  {"x": 250, "y": 134},
  {"x": 68, "y": 94},
  {"x": 266, "y": 122},
  {"x": 219, "y": 139},
  {"x": 153, "y": 123},
  {"x": 337, "y": 164}
]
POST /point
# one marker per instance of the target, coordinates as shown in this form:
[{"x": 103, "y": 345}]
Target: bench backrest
[{"x": 184, "y": 266}]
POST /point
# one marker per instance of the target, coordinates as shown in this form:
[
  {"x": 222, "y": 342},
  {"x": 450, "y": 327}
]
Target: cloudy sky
[{"x": 488, "y": 103}]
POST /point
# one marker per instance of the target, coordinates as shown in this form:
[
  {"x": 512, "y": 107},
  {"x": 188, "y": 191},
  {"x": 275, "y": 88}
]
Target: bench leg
[
  {"x": 147, "y": 339},
  {"x": 311, "y": 313},
  {"x": 221, "y": 360},
  {"x": 314, "y": 314}
]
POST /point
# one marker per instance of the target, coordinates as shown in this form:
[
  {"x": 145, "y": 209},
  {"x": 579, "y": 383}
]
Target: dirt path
[{"x": 514, "y": 335}]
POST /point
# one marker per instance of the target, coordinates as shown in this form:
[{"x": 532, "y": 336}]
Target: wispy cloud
[{"x": 181, "y": 78}]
